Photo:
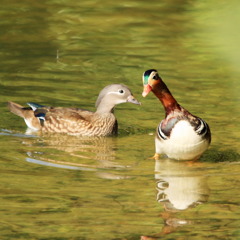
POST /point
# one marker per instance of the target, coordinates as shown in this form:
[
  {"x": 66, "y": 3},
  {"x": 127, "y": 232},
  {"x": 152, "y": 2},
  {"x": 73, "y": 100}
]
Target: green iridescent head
[
  {"x": 150, "y": 78},
  {"x": 150, "y": 74}
]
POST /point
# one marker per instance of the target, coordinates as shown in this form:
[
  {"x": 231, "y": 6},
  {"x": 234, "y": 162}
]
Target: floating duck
[
  {"x": 77, "y": 121},
  {"x": 180, "y": 135}
]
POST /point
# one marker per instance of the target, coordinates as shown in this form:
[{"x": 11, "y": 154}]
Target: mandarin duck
[
  {"x": 76, "y": 121},
  {"x": 181, "y": 135}
]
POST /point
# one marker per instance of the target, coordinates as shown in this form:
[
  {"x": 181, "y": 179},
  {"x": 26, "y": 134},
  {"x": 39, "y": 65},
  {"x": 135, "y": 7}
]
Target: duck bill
[
  {"x": 146, "y": 90},
  {"x": 133, "y": 100}
]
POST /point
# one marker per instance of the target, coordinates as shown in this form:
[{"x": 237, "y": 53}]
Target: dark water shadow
[{"x": 216, "y": 156}]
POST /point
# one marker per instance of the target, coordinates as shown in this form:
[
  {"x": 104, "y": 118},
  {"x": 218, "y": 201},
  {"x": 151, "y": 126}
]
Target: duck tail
[
  {"x": 27, "y": 114},
  {"x": 16, "y": 109}
]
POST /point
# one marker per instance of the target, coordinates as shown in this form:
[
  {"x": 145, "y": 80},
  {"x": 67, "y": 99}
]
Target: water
[{"x": 62, "y": 53}]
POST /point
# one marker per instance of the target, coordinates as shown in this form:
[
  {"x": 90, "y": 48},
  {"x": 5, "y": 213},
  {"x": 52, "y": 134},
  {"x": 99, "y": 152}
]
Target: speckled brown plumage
[{"x": 77, "y": 121}]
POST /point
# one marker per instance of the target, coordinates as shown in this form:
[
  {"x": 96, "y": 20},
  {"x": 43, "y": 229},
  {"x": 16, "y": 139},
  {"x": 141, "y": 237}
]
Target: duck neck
[
  {"x": 162, "y": 92},
  {"x": 105, "y": 107}
]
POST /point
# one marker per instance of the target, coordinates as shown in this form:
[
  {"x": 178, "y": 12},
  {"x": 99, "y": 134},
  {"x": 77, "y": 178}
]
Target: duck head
[
  {"x": 150, "y": 80},
  {"x": 112, "y": 95}
]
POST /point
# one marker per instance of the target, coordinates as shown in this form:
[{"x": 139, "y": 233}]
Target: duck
[
  {"x": 180, "y": 135},
  {"x": 76, "y": 121}
]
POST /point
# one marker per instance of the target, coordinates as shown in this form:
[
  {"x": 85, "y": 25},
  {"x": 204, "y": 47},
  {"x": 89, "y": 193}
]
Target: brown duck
[
  {"x": 180, "y": 135},
  {"x": 77, "y": 121}
]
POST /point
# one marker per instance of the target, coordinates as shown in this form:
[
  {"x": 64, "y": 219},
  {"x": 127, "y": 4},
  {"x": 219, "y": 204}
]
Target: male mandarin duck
[
  {"x": 180, "y": 135},
  {"x": 77, "y": 121}
]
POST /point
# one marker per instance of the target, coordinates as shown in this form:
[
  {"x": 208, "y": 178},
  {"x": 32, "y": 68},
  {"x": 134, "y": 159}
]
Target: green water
[{"x": 62, "y": 53}]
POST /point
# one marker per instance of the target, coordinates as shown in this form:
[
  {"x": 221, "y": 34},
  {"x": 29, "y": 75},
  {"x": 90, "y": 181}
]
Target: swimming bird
[
  {"x": 76, "y": 121},
  {"x": 180, "y": 135}
]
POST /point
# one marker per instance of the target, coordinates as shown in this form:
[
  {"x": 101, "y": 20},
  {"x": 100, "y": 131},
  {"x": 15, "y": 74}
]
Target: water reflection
[
  {"x": 180, "y": 186},
  {"x": 65, "y": 149},
  {"x": 75, "y": 153}
]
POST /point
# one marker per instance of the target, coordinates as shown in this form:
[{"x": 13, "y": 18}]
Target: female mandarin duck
[
  {"x": 74, "y": 120},
  {"x": 180, "y": 135}
]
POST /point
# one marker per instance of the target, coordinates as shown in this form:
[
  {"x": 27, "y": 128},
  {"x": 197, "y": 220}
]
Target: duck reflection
[
  {"x": 180, "y": 186},
  {"x": 75, "y": 153}
]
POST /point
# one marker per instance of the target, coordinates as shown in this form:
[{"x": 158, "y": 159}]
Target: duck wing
[{"x": 69, "y": 120}]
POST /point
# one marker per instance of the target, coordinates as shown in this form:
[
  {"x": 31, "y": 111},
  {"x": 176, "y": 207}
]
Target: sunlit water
[{"x": 62, "y": 53}]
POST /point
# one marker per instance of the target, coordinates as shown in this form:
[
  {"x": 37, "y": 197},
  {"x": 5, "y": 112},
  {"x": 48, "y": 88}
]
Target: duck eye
[{"x": 121, "y": 91}]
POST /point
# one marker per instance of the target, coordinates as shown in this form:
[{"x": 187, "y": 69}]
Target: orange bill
[{"x": 146, "y": 90}]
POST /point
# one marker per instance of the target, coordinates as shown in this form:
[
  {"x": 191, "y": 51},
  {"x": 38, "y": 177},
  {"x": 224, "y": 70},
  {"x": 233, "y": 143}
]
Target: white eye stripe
[
  {"x": 118, "y": 92},
  {"x": 153, "y": 74}
]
